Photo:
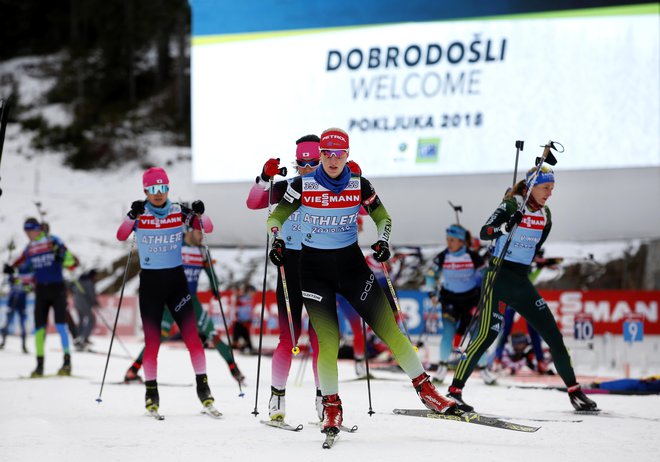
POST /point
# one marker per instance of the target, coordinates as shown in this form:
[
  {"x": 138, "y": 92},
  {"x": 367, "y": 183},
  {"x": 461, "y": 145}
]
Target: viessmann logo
[
  {"x": 325, "y": 199},
  {"x": 532, "y": 222},
  {"x": 170, "y": 221}
]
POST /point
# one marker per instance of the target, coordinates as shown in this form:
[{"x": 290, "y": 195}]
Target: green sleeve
[
  {"x": 287, "y": 205},
  {"x": 283, "y": 210},
  {"x": 381, "y": 217},
  {"x": 69, "y": 260},
  {"x": 210, "y": 272},
  {"x": 491, "y": 230}
]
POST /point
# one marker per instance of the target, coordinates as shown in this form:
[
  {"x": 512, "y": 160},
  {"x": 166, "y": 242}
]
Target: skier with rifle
[{"x": 525, "y": 215}]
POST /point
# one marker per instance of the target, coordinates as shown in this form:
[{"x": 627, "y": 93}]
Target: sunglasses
[
  {"x": 307, "y": 163},
  {"x": 335, "y": 153},
  {"x": 157, "y": 188}
]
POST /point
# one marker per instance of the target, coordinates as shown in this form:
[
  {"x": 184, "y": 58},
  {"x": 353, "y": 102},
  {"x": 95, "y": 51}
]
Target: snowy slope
[{"x": 57, "y": 419}]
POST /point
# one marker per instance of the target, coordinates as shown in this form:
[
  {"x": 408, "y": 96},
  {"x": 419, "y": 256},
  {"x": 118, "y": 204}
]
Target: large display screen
[{"x": 429, "y": 97}]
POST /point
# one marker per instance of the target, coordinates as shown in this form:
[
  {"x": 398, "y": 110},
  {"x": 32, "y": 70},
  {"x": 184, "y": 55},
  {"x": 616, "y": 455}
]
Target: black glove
[
  {"x": 381, "y": 251},
  {"x": 276, "y": 254},
  {"x": 515, "y": 219},
  {"x": 198, "y": 207},
  {"x": 137, "y": 209},
  {"x": 8, "y": 269}
]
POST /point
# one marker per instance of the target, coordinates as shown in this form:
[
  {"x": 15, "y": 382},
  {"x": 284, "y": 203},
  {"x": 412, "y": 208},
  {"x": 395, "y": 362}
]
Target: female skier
[
  {"x": 158, "y": 225},
  {"x": 307, "y": 160},
  {"x": 328, "y": 201},
  {"x": 462, "y": 270},
  {"x": 512, "y": 285}
]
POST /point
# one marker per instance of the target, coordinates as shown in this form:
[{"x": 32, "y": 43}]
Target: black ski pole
[
  {"x": 491, "y": 276},
  {"x": 216, "y": 291},
  {"x": 4, "y": 113},
  {"x": 255, "y": 412},
  {"x": 366, "y": 363},
  {"x": 114, "y": 328},
  {"x": 398, "y": 306}
]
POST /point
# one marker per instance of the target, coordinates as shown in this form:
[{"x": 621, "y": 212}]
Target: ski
[
  {"x": 136, "y": 382},
  {"x": 371, "y": 377},
  {"x": 468, "y": 417},
  {"x": 155, "y": 414},
  {"x": 282, "y": 425},
  {"x": 211, "y": 411},
  {"x": 330, "y": 438},
  {"x": 502, "y": 417},
  {"x": 343, "y": 428},
  {"x": 53, "y": 376}
]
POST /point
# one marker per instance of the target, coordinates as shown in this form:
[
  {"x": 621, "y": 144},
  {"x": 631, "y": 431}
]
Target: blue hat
[
  {"x": 31, "y": 224},
  {"x": 546, "y": 175},
  {"x": 457, "y": 231}
]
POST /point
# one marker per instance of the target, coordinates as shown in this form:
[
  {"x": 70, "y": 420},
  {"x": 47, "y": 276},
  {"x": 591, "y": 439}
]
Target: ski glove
[
  {"x": 514, "y": 220},
  {"x": 8, "y": 269},
  {"x": 137, "y": 209},
  {"x": 198, "y": 207},
  {"x": 271, "y": 168},
  {"x": 381, "y": 251},
  {"x": 276, "y": 254}
]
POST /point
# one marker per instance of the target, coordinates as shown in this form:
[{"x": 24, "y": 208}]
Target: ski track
[{"x": 58, "y": 419}]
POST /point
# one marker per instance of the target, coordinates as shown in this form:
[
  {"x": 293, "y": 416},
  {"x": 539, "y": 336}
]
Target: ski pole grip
[{"x": 282, "y": 171}]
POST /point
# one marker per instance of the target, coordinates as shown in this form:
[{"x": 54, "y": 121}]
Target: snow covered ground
[{"x": 58, "y": 419}]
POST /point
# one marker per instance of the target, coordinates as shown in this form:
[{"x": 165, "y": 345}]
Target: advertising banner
[{"x": 431, "y": 98}]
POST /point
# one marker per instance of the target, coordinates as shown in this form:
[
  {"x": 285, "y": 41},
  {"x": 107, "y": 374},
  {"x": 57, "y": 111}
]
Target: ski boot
[
  {"x": 543, "y": 368},
  {"x": 360, "y": 368},
  {"x": 277, "y": 404},
  {"x": 39, "y": 371},
  {"x": 151, "y": 398},
  {"x": 441, "y": 372},
  {"x": 430, "y": 397},
  {"x": 487, "y": 376},
  {"x": 65, "y": 370},
  {"x": 132, "y": 375},
  {"x": 236, "y": 373},
  {"x": 319, "y": 405},
  {"x": 2, "y": 344},
  {"x": 24, "y": 346},
  {"x": 332, "y": 414},
  {"x": 579, "y": 400},
  {"x": 456, "y": 394},
  {"x": 203, "y": 390}
]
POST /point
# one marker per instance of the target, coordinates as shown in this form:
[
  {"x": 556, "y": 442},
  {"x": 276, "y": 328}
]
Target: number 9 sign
[{"x": 633, "y": 329}]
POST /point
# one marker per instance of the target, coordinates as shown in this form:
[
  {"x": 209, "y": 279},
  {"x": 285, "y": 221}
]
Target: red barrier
[{"x": 609, "y": 308}]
